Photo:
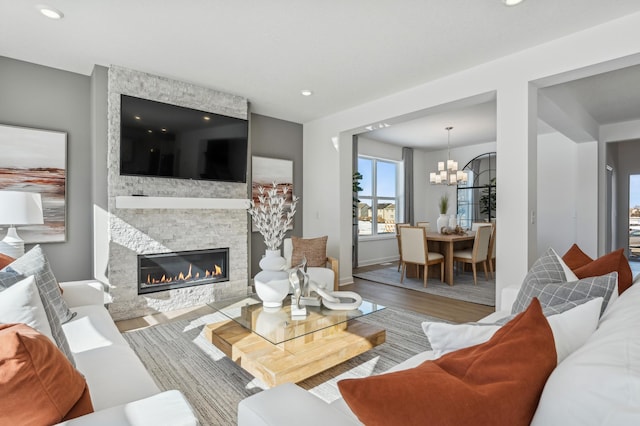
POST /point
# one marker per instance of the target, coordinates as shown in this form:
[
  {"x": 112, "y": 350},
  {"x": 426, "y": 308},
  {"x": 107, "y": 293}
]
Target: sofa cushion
[
  {"x": 314, "y": 249},
  {"x": 9, "y": 277},
  {"x": 126, "y": 380},
  {"x": 5, "y": 260},
  {"x": 92, "y": 328},
  {"x": 600, "y": 382},
  {"x": 612, "y": 262},
  {"x": 38, "y": 385},
  {"x": 34, "y": 262},
  {"x": 571, "y": 329},
  {"x": 497, "y": 382},
  {"x": 20, "y": 303}
]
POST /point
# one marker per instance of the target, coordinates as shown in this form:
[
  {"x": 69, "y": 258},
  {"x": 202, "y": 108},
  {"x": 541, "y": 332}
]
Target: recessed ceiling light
[
  {"x": 164, "y": 130},
  {"x": 512, "y": 2},
  {"x": 206, "y": 118},
  {"x": 49, "y": 12},
  {"x": 137, "y": 117},
  {"x": 306, "y": 92}
]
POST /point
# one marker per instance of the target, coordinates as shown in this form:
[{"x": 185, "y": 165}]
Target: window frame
[{"x": 374, "y": 200}]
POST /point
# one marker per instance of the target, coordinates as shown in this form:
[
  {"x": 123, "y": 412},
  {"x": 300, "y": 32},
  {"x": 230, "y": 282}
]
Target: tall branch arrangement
[{"x": 270, "y": 217}]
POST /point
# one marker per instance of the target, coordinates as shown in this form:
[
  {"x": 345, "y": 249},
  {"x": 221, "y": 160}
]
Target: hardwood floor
[{"x": 428, "y": 304}]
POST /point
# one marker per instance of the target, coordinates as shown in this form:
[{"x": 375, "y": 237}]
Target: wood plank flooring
[{"x": 424, "y": 303}]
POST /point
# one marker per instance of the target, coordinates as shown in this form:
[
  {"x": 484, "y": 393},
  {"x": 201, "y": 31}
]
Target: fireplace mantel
[{"x": 144, "y": 202}]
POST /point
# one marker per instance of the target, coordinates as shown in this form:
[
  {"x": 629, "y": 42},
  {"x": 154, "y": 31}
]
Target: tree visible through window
[{"x": 377, "y": 212}]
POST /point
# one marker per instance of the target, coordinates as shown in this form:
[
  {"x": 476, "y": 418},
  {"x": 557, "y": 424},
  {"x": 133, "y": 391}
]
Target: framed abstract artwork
[
  {"x": 35, "y": 160},
  {"x": 265, "y": 171}
]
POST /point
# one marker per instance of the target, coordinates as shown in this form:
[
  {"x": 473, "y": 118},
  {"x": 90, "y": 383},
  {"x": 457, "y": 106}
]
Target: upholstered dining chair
[
  {"x": 492, "y": 252},
  {"x": 398, "y": 226},
  {"x": 425, "y": 225},
  {"x": 479, "y": 253},
  {"x": 414, "y": 251}
]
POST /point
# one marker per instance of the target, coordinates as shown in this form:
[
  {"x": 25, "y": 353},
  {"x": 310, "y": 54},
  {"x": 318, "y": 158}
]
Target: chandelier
[{"x": 449, "y": 175}]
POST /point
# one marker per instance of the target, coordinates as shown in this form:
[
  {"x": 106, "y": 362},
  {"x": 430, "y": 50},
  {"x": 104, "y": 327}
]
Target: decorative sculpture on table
[
  {"x": 272, "y": 216},
  {"x": 299, "y": 279}
]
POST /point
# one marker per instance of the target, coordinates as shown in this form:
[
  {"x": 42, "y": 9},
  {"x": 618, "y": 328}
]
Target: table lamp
[{"x": 18, "y": 208}]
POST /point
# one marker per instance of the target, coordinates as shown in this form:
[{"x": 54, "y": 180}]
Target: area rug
[
  {"x": 484, "y": 293},
  {"x": 178, "y": 356}
]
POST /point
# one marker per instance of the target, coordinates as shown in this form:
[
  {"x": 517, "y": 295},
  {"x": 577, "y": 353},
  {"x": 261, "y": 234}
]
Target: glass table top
[{"x": 276, "y": 324}]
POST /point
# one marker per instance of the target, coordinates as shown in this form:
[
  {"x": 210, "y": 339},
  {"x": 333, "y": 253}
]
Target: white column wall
[
  {"x": 557, "y": 181},
  {"x": 327, "y": 173}
]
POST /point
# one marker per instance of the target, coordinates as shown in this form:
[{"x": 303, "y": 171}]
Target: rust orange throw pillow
[
  {"x": 612, "y": 262},
  {"x": 38, "y": 385},
  {"x": 575, "y": 258},
  {"x": 5, "y": 260},
  {"x": 496, "y": 383}
]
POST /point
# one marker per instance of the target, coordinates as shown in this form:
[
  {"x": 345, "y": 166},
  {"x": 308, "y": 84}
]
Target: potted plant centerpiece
[
  {"x": 272, "y": 217},
  {"x": 444, "y": 207}
]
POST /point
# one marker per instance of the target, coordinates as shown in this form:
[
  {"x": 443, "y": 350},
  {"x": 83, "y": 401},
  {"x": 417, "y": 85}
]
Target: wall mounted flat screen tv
[{"x": 163, "y": 140}]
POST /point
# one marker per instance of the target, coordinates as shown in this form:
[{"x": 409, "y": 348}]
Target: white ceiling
[{"x": 347, "y": 52}]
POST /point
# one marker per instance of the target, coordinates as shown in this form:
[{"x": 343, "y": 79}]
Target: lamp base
[{"x": 12, "y": 245}]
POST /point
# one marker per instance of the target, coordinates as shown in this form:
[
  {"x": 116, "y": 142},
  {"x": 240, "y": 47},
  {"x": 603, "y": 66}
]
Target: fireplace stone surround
[{"x": 135, "y": 231}]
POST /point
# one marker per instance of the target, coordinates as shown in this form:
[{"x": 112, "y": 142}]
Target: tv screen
[{"x": 158, "y": 139}]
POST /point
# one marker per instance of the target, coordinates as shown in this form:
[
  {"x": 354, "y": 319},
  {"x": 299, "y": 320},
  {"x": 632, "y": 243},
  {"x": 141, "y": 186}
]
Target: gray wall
[
  {"x": 46, "y": 98},
  {"x": 281, "y": 139}
]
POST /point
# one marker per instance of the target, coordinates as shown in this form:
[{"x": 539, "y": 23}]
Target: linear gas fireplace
[{"x": 165, "y": 271}]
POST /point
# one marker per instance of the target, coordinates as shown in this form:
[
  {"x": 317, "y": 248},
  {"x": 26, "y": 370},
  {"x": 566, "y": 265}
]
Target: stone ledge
[{"x": 143, "y": 202}]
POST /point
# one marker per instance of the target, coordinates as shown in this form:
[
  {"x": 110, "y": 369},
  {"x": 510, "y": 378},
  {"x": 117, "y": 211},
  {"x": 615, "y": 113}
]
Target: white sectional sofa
[
  {"x": 598, "y": 384},
  {"x": 122, "y": 391}
]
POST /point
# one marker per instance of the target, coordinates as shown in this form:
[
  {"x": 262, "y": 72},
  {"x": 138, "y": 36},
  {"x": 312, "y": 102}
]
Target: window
[{"x": 377, "y": 209}]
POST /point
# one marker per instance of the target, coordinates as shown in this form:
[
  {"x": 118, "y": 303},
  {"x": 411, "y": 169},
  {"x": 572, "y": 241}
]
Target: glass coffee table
[{"x": 278, "y": 348}]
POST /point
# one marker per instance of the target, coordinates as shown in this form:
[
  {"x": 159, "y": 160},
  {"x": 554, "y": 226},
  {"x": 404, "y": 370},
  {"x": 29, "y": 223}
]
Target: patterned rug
[
  {"x": 178, "y": 356},
  {"x": 463, "y": 289}
]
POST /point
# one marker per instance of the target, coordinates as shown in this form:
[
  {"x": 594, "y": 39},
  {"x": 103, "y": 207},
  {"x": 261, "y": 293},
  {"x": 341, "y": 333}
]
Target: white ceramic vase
[
  {"x": 442, "y": 221},
  {"x": 272, "y": 283}
]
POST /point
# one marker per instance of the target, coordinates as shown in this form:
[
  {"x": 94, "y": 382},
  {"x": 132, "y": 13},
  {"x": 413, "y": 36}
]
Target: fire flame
[{"x": 215, "y": 271}]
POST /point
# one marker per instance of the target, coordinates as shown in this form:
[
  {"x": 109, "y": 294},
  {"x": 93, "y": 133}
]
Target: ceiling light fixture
[
  {"x": 448, "y": 174},
  {"x": 512, "y": 2},
  {"x": 306, "y": 92},
  {"x": 50, "y": 12}
]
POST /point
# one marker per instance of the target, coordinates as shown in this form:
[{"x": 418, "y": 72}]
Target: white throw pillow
[
  {"x": 567, "y": 271},
  {"x": 570, "y": 330},
  {"x": 21, "y": 303}
]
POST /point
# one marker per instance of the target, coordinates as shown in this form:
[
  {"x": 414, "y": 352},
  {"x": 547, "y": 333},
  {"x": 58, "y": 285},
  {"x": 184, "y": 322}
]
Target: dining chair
[
  {"x": 425, "y": 225},
  {"x": 414, "y": 251},
  {"x": 492, "y": 252},
  {"x": 476, "y": 225},
  {"x": 398, "y": 226},
  {"x": 479, "y": 253}
]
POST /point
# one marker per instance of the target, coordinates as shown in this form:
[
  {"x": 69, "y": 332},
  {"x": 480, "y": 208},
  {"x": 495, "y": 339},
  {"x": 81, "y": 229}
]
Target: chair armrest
[
  {"x": 290, "y": 405},
  {"x": 166, "y": 408},
  {"x": 335, "y": 267},
  {"x": 79, "y": 293}
]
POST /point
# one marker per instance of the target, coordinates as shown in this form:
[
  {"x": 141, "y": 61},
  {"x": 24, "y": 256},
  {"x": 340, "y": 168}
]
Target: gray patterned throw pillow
[
  {"x": 564, "y": 294},
  {"x": 10, "y": 277},
  {"x": 35, "y": 263}
]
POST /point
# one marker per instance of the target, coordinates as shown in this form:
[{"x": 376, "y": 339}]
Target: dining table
[{"x": 445, "y": 246}]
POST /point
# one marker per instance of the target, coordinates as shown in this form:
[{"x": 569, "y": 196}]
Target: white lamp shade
[{"x": 20, "y": 208}]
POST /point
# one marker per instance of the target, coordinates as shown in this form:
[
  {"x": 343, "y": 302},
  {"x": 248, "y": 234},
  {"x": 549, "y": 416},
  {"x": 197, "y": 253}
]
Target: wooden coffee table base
[{"x": 296, "y": 359}]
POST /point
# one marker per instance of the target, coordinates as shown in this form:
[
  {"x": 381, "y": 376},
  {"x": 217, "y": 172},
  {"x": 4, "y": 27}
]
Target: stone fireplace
[
  {"x": 165, "y": 271},
  {"x": 155, "y": 224}
]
